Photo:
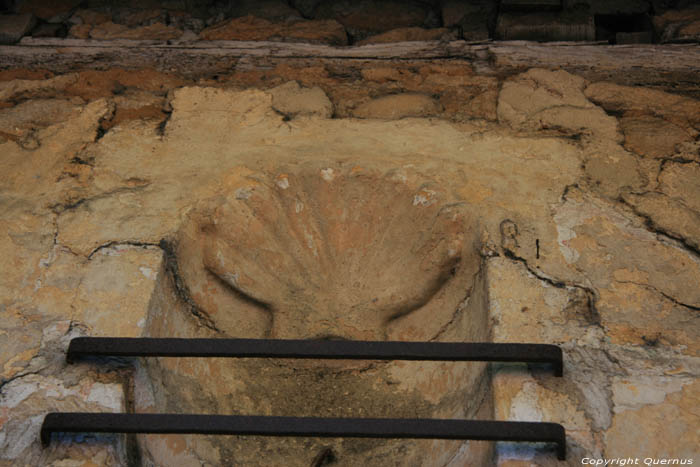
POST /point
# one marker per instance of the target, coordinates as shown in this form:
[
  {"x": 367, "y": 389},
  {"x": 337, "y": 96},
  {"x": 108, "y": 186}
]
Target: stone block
[
  {"x": 367, "y": 17},
  {"x": 49, "y": 30},
  {"x": 611, "y": 7},
  {"x": 475, "y": 18},
  {"x": 292, "y": 100},
  {"x": 640, "y": 37},
  {"x": 576, "y": 25},
  {"x": 678, "y": 25},
  {"x": 530, "y": 5},
  {"x": 398, "y": 106},
  {"x": 13, "y": 27},
  {"x": 251, "y": 28},
  {"x": 54, "y": 11},
  {"x": 411, "y": 34}
]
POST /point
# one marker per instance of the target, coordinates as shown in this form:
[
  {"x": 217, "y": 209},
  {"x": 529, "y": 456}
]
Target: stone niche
[{"x": 320, "y": 251}]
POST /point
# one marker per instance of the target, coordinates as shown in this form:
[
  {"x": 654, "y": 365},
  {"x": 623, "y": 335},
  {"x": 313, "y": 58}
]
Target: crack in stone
[
  {"x": 60, "y": 208},
  {"x": 590, "y": 293},
  {"x": 663, "y": 294},
  {"x": 144, "y": 245},
  {"x": 654, "y": 228},
  {"x": 462, "y": 304},
  {"x": 181, "y": 289}
]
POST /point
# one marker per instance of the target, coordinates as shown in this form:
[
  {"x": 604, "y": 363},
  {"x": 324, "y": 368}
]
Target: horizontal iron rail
[
  {"x": 69, "y": 422},
  {"x": 329, "y": 349}
]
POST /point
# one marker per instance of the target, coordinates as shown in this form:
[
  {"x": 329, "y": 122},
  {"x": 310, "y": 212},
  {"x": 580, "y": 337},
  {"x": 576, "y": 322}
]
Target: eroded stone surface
[
  {"x": 398, "y": 106},
  {"x": 251, "y": 28},
  {"x": 293, "y": 100},
  {"x": 410, "y": 34},
  {"x": 581, "y": 241}
]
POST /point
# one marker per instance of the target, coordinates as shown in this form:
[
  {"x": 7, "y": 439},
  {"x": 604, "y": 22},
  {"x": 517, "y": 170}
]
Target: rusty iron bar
[
  {"x": 315, "y": 349},
  {"x": 393, "y": 428}
]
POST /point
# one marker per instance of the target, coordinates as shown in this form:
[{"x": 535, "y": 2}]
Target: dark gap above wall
[{"x": 342, "y": 23}]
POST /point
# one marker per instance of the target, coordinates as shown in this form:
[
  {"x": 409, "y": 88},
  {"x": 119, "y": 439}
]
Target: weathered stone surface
[
  {"x": 54, "y": 11},
  {"x": 653, "y": 137},
  {"x": 611, "y": 170},
  {"x": 366, "y": 17},
  {"x": 398, "y": 106},
  {"x": 273, "y": 10},
  {"x": 116, "y": 221},
  {"x": 250, "y": 28},
  {"x": 614, "y": 98},
  {"x": 49, "y": 30},
  {"x": 155, "y": 31},
  {"x": 411, "y": 34},
  {"x": 87, "y": 16},
  {"x": 576, "y": 25},
  {"x": 306, "y": 7},
  {"x": 30, "y": 88},
  {"x": 464, "y": 95},
  {"x": 14, "y": 27},
  {"x": 335, "y": 233},
  {"x": 80, "y": 31},
  {"x": 651, "y": 415},
  {"x": 678, "y": 25},
  {"x": 673, "y": 207},
  {"x": 293, "y": 100},
  {"x": 546, "y": 100},
  {"x": 36, "y": 113},
  {"x": 474, "y": 18},
  {"x": 140, "y": 17}
]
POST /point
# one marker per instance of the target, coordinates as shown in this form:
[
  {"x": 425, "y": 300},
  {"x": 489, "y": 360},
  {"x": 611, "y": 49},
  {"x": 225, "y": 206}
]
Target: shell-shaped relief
[
  {"x": 329, "y": 251},
  {"x": 320, "y": 250}
]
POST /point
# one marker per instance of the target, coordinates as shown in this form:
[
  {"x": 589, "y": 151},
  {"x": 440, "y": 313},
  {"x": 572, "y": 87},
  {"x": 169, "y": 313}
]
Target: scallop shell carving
[{"x": 328, "y": 251}]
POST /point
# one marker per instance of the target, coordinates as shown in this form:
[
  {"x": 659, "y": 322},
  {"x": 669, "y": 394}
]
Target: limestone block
[
  {"x": 678, "y": 25},
  {"x": 542, "y": 99},
  {"x": 518, "y": 396},
  {"x": 368, "y": 17},
  {"x": 575, "y": 25},
  {"x": 527, "y": 309},
  {"x": 91, "y": 17},
  {"x": 25, "y": 88},
  {"x": 587, "y": 229},
  {"x": 80, "y": 31},
  {"x": 155, "y": 31},
  {"x": 674, "y": 208},
  {"x": 251, "y": 28},
  {"x": 652, "y": 136},
  {"x": 410, "y": 34},
  {"x": 651, "y": 416},
  {"x": 35, "y": 113},
  {"x": 398, "y": 106},
  {"x": 679, "y": 110},
  {"x": 292, "y": 100},
  {"x": 113, "y": 297}
]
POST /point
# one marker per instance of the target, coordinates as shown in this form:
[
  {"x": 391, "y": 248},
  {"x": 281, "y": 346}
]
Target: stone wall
[
  {"x": 576, "y": 222},
  {"x": 340, "y": 22}
]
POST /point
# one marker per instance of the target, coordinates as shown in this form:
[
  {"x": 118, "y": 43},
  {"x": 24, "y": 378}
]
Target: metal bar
[
  {"x": 337, "y": 349},
  {"x": 304, "y": 426}
]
